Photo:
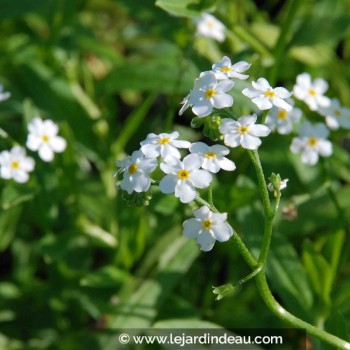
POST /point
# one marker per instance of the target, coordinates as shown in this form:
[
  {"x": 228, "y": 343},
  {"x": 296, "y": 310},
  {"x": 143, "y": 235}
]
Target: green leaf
[
  {"x": 15, "y": 8},
  {"x": 187, "y": 8},
  {"x": 321, "y": 30},
  {"x": 157, "y": 75},
  {"x": 106, "y": 277},
  {"x": 319, "y": 271},
  {"x": 12, "y": 196},
  {"x": 140, "y": 309},
  {"x": 288, "y": 275},
  {"x": 185, "y": 323},
  {"x": 8, "y": 223}
]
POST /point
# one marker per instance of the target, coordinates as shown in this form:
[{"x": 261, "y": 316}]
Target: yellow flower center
[
  {"x": 337, "y": 112},
  {"x": 15, "y": 164},
  {"x": 210, "y": 155},
  {"x": 282, "y": 114},
  {"x": 243, "y": 129},
  {"x": 210, "y": 23},
  {"x": 132, "y": 169},
  {"x": 225, "y": 69},
  {"x": 210, "y": 93},
  {"x": 207, "y": 224},
  {"x": 269, "y": 94},
  {"x": 312, "y": 141},
  {"x": 183, "y": 174},
  {"x": 45, "y": 138},
  {"x": 163, "y": 140},
  {"x": 312, "y": 92}
]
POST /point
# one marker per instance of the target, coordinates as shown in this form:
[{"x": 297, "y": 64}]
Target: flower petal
[
  {"x": 226, "y": 164},
  {"x": 250, "y": 142},
  {"x": 46, "y": 153},
  {"x": 185, "y": 192},
  {"x": 222, "y": 101},
  {"x": 259, "y": 130},
  {"x": 58, "y": 143},
  {"x": 201, "y": 178},
  {"x": 202, "y": 212},
  {"x": 192, "y": 228},
  {"x": 202, "y": 108},
  {"x": 206, "y": 241},
  {"x": 167, "y": 184},
  {"x": 222, "y": 231},
  {"x": 199, "y": 147},
  {"x": 262, "y": 102}
]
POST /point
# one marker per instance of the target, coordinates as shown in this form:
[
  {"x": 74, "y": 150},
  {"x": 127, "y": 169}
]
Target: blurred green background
[{"x": 75, "y": 259}]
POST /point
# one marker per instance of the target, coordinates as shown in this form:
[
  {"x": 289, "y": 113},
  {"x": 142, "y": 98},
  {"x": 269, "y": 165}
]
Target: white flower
[
  {"x": 311, "y": 92},
  {"x": 312, "y": 142},
  {"x": 207, "y": 227},
  {"x": 243, "y": 132},
  {"x": 213, "y": 158},
  {"x": 336, "y": 115},
  {"x": 163, "y": 145},
  {"x": 264, "y": 96},
  {"x": 15, "y": 165},
  {"x": 209, "y": 26},
  {"x": 283, "y": 185},
  {"x": 225, "y": 70},
  {"x": 209, "y": 93},
  {"x": 282, "y": 120},
  {"x": 43, "y": 138},
  {"x": 4, "y": 95},
  {"x": 136, "y": 169},
  {"x": 184, "y": 177}
]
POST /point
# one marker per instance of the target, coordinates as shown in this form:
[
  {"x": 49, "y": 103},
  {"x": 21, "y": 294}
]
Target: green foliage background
[{"x": 75, "y": 259}]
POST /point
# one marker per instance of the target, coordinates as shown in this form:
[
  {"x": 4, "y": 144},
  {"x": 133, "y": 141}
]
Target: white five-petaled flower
[
  {"x": 15, "y": 165},
  {"x": 209, "y": 93},
  {"x": 213, "y": 158},
  {"x": 243, "y": 132},
  {"x": 43, "y": 138},
  {"x": 183, "y": 177},
  {"x": 264, "y": 96},
  {"x": 336, "y": 115},
  {"x": 225, "y": 70},
  {"x": 312, "y": 142},
  {"x": 281, "y": 120},
  {"x": 4, "y": 95},
  {"x": 312, "y": 93},
  {"x": 210, "y": 27},
  {"x": 163, "y": 145},
  {"x": 207, "y": 227},
  {"x": 136, "y": 169}
]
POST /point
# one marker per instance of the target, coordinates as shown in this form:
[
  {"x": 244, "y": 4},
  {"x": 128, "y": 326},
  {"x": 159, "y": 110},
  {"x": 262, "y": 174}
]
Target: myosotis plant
[{"x": 211, "y": 103}]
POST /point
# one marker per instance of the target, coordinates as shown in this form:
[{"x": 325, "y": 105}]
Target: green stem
[
  {"x": 210, "y": 195},
  {"x": 279, "y": 311},
  {"x": 254, "y": 156},
  {"x": 280, "y": 47},
  {"x": 264, "y": 115}
]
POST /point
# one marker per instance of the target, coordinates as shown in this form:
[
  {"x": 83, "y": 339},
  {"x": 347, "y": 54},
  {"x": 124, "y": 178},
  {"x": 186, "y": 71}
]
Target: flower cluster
[
  {"x": 184, "y": 177},
  {"x": 211, "y": 87},
  {"x": 42, "y": 137}
]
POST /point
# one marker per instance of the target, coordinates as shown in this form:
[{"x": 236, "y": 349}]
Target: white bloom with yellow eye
[
  {"x": 136, "y": 169},
  {"x": 14, "y": 164},
  {"x": 213, "y": 157},
  {"x": 210, "y": 27},
  {"x": 225, "y": 70},
  {"x": 311, "y": 92},
  {"x": 163, "y": 145},
  {"x": 183, "y": 177},
  {"x": 207, "y": 227},
  {"x": 281, "y": 120},
  {"x": 43, "y": 138},
  {"x": 336, "y": 115},
  {"x": 243, "y": 132},
  {"x": 264, "y": 96},
  {"x": 312, "y": 143}
]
